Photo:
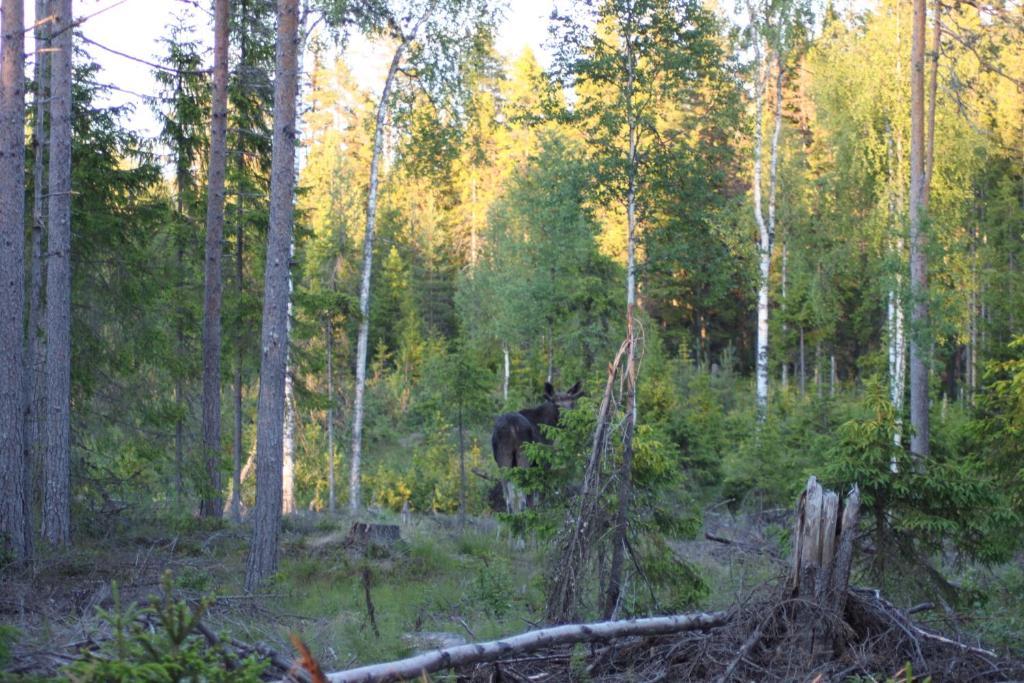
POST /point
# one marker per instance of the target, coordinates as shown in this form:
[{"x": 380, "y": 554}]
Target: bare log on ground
[{"x": 477, "y": 653}]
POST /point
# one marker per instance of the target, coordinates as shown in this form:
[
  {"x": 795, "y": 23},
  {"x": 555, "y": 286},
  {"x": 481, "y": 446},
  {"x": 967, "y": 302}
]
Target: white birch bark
[
  {"x": 505, "y": 374},
  {"x": 897, "y": 340},
  {"x": 288, "y": 448},
  {"x": 765, "y": 225},
  {"x": 919, "y": 442},
  {"x": 625, "y": 493},
  {"x": 380, "y": 122},
  {"x": 419, "y": 666}
]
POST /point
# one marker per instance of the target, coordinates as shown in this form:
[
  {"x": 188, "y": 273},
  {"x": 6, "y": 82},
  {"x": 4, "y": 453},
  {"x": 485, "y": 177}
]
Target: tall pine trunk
[
  {"x": 35, "y": 361},
  {"x": 236, "y": 440},
  {"x": 56, "y": 521},
  {"x": 919, "y": 345},
  {"x": 262, "y": 560},
  {"x": 13, "y": 521},
  {"x": 212, "y": 506}
]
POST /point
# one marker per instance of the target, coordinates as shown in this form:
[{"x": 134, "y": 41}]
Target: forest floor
[{"x": 439, "y": 585}]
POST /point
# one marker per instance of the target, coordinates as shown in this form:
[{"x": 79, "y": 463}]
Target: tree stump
[
  {"x": 363, "y": 534},
  {"x": 822, "y": 559}
]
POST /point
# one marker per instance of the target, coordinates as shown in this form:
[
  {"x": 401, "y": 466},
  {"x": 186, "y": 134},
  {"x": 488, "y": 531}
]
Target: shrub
[{"x": 160, "y": 643}]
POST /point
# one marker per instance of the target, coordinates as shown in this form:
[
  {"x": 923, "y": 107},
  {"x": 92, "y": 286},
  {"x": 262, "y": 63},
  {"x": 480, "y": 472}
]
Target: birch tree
[
  {"x": 434, "y": 63},
  {"x": 56, "y": 522},
  {"x": 629, "y": 57},
  {"x": 771, "y": 28},
  {"x": 918, "y": 209},
  {"x": 212, "y": 505},
  {"x": 13, "y": 523},
  {"x": 262, "y": 560}
]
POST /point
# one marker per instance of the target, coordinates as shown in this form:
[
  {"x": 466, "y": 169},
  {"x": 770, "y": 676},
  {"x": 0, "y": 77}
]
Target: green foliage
[
  {"x": 492, "y": 589},
  {"x": 914, "y": 511},
  {"x": 994, "y": 605},
  {"x": 999, "y": 428},
  {"x": 665, "y": 583},
  {"x": 8, "y": 636},
  {"x": 170, "y": 651}
]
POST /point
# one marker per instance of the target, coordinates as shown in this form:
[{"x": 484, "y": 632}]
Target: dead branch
[{"x": 479, "y": 653}]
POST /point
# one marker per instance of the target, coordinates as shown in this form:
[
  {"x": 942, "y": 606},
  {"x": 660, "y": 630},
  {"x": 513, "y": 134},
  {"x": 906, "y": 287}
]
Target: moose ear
[
  {"x": 549, "y": 391},
  {"x": 576, "y": 390}
]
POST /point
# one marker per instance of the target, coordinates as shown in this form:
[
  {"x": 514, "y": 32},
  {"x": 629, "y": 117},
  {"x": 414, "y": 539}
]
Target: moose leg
[{"x": 507, "y": 491}]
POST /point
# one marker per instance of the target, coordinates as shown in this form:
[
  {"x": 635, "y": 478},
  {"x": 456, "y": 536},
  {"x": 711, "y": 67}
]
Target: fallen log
[{"x": 479, "y": 653}]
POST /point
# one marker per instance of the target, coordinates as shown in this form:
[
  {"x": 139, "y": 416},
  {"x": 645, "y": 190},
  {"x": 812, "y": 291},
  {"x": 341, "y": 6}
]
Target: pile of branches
[{"x": 764, "y": 639}]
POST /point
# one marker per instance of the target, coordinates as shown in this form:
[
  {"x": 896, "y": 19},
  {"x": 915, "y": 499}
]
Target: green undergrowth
[{"x": 469, "y": 584}]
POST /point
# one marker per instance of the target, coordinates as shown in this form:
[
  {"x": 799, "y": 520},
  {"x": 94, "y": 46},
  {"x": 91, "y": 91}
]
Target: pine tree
[
  {"x": 274, "y": 340},
  {"x": 14, "y": 531}
]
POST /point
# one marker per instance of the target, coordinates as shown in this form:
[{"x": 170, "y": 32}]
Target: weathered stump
[
  {"x": 363, "y": 534},
  {"x": 822, "y": 559}
]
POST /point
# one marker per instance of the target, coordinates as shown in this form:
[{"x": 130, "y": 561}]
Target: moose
[{"x": 512, "y": 430}]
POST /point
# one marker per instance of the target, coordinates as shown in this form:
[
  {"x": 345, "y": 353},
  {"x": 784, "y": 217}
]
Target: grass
[
  {"x": 433, "y": 580},
  {"x": 436, "y": 579}
]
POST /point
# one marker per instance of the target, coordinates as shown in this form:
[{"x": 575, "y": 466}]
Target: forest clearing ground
[
  {"x": 433, "y": 588},
  {"x": 436, "y": 582}
]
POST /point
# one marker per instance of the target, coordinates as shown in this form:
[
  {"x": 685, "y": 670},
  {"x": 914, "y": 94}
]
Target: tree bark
[
  {"x": 35, "y": 361},
  {"x": 765, "y": 225},
  {"x": 236, "y": 446},
  {"x": 364, "y": 286},
  {"x": 463, "y": 484},
  {"x": 262, "y": 560},
  {"x": 13, "y": 521},
  {"x": 475, "y": 653},
  {"x": 56, "y": 522},
  {"x": 784, "y": 372},
  {"x": 505, "y": 373},
  {"x": 330, "y": 415},
  {"x": 933, "y": 87},
  {"x": 822, "y": 560},
  {"x": 212, "y": 505},
  {"x": 919, "y": 345},
  {"x": 894, "y": 317},
  {"x": 288, "y": 448},
  {"x": 619, "y": 539},
  {"x": 803, "y": 365}
]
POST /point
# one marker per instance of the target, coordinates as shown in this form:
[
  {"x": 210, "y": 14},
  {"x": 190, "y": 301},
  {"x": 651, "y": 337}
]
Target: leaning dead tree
[{"x": 587, "y": 521}]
